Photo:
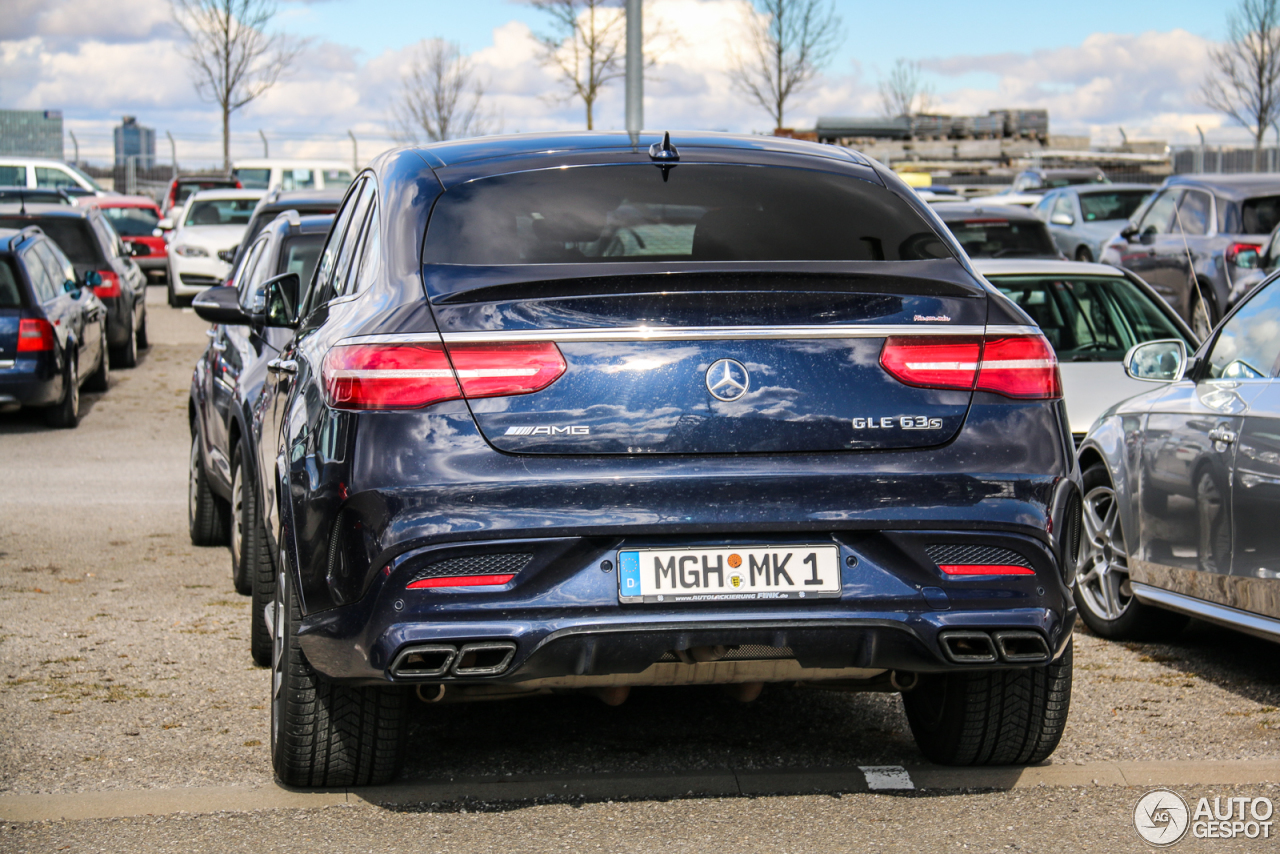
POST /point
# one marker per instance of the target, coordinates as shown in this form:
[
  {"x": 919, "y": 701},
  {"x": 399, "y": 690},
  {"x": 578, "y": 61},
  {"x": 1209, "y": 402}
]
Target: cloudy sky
[{"x": 1096, "y": 66}]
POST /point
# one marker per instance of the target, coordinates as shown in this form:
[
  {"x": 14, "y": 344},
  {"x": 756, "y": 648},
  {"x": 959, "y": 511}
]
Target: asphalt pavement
[{"x": 124, "y": 666}]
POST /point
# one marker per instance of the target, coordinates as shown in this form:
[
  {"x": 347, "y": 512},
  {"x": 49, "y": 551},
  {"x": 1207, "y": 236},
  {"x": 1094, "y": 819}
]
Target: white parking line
[{"x": 887, "y": 777}]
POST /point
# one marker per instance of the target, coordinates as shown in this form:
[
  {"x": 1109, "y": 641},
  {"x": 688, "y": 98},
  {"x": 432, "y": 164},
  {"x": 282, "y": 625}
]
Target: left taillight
[
  {"x": 35, "y": 335},
  {"x": 411, "y": 376},
  {"x": 110, "y": 286}
]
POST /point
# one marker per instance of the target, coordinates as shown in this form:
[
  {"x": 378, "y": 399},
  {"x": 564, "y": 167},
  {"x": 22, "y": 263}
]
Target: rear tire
[
  {"x": 142, "y": 331},
  {"x": 100, "y": 380},
  {"x": 324, "y": 734},
  {"x": 66, "y": 413},
  {"x": 126, "y": 355},
  {"x": 240, "y": 535},
  {"x": 992, "y": 717},
  {"x": 206, "y": 512}
]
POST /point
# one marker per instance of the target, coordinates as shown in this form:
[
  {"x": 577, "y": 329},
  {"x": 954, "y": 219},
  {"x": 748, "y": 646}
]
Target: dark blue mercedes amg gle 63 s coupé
[{"x": 583, "y": 412}]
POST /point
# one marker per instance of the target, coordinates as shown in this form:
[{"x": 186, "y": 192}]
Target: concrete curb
[{"x": 727, "y": 782}]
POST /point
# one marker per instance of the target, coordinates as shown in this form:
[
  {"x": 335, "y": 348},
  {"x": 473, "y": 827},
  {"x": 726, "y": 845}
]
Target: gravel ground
[
  {"x": 124, "y": 650},
  {"x": 1071, "y": 820}
]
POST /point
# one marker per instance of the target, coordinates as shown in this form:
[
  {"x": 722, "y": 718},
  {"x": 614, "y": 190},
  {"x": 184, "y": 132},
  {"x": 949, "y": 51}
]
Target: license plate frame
[{"x": 765, "y": 572}]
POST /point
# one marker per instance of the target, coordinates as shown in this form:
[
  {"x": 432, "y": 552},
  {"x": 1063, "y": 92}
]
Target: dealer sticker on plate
[{"x": 704, "y": 575}]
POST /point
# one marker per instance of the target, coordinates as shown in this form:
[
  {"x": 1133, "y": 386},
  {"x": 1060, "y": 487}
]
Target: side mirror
[
  {"x": 1163, "y": 361},
  {"x": 1148, "y": 237},
  {"x": 228, "y": 256},
  {"x": 92, "y": 279},
  {"x": 1129, "y": 231},
  {"x": 281, "y": 308},
  {"x": 221, "y": 305},
  {"x": 1062, "y": 219},
  {"x": 72, "y": 287},
  {"x": 165, "y": 224},
  {"x": 137, "y": 250}
]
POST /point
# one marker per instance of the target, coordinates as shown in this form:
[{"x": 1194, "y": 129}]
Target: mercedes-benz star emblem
[{"x": 727, "y": 380}]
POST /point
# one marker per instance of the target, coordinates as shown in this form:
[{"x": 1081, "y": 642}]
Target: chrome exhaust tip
[
  {"x": 488, "y": 658},
  {"x": 425, "y": 661},
  {"x": 968, "y": 647},
  {"x": 1022, "y": 647}
]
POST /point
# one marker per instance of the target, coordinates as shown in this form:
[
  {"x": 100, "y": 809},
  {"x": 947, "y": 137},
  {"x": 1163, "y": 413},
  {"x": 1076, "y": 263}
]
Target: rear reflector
[
  {"x": 461, "y": 581},
  {"x": 984, "y": 569},
  {"x": 411, "y": 376},
  {"x": 1022, "y": 366},
  {"x": 110, "y": 286},
  {"x": 35, "y": 335}
]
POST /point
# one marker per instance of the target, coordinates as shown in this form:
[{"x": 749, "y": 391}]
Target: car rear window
[
  {"x": 1089, "y": 318},
  {"x": 186, "y": 188},
  {"x": 690, "y": 212},
  {"x": 221, "y": 212},
  {"x": 72, "y": 236},
  {"x": 1260, "y": 215},
  {"x": 253, "y": 179},
  {"x": 132, "y": 222},
  {"x": 996, "y": 237},
  {"x": 10, "y": 290},
  {"x": 1118, "y": 205}
]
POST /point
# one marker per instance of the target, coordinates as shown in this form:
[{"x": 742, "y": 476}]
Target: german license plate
[{"x": 746, "y": 572}]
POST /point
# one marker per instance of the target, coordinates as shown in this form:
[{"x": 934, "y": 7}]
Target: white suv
[
  {"x": 45, "y": 172},
  {"x": 211, "y": 222}
]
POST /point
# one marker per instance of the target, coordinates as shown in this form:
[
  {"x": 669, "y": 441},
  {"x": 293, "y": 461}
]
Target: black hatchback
[
  {"x": 86, "y": 237},
  {"x": 565, "y": 412}
]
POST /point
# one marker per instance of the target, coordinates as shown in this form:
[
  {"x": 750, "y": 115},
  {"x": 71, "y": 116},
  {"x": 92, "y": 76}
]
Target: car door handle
[
  {"x": 1223, "y": 435},
  {"x": 283, "y": 366},
  {"x": 212, "y": 333}
]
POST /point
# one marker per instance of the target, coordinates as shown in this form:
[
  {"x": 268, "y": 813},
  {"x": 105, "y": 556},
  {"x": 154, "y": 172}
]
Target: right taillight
[
  {"x": 1021, "y": 366},
  {"x": 35, "y": 335},
  {"x": 110, "y": 286},
  {"x": 411, "y": 376}
]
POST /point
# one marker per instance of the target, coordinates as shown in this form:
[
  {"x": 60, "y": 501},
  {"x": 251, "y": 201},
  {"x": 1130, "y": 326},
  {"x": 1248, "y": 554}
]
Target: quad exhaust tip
[
  {"x": 1010, "y": 646},
  {"x": 426, "y": 661}
]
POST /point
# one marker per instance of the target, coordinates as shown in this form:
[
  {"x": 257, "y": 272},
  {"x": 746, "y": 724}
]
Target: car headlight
[{"x": 191, "y": 251}]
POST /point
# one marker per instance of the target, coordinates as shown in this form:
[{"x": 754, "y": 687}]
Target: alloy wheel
[
  {"x": 237, "y": 526},
  {"x": 274, "y": 613},
  {"x": 1104, "y": 571},
  {"x": 193, "y": 481}
]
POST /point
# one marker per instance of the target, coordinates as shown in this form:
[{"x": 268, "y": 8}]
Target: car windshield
[
  {"x": 253, "y": 179},
  {"x": 996, "y": 237},
  {"x": 220, "y": 212},
  {"x": 1119, "y": 204},
  {"x": 337, "y": 178},
  {"x": 300, "y": 254},
  {"x": 71, "y": 234},
  {"x": 1260, "y": 215},
  {"x": 687, "y": 213},
  {"x": 1089, "y": 318},
  {"x": 10, "y": 293},
  {"x": 132, "y": 222}
]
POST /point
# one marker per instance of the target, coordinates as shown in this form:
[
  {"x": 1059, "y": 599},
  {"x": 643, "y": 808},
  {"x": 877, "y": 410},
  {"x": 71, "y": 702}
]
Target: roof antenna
[{"x": 664, "y": 155}]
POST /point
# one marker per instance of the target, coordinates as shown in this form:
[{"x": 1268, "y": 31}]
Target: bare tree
[
  {"x": 788, "y": 42},
  {"x": 442, "y": 96},
  {"x": 585, "y": 46},
  {"x": 1244, "y": 82},
  {"x": 903, "y": 92},
  {"x": 234, "y": 59}
]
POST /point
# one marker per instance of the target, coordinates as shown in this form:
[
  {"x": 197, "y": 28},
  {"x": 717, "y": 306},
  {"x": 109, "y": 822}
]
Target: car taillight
[
  {"x": 110, "y": 286},
  {"x": 35, "y": 335},
  {"x": 1235, "y": 250},
  {"x": 411, "y": 376},
  {"x": 1021, "y": 366},
  {"x": 984, "y": 569}
]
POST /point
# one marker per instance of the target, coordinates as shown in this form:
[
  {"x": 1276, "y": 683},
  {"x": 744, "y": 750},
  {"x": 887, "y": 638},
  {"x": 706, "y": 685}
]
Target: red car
[{"x": 134, "y": 218}]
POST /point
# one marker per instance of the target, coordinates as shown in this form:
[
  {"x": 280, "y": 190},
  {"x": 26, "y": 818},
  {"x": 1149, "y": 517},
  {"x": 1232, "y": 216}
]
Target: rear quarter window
[
  {"x": 1260, "y": 215},
  {"x": 10, "y": 288},
  {"x": 692, "y": 212}
]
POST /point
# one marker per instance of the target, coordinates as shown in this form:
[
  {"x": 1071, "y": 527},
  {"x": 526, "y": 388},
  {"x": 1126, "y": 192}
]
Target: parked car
[
  {"x": 270, "y": 206},
  {"x": 1043, "y": 180},
  {"x": 212, "y": 221},
  {"x": 53, "y": 330},
  {"x": 1092, "y": 314},
  {"x": 40, "y": 196},
  {"x": 1186, "y": 241},
  {"x": 720, "y": 410},
  {"x": 1083, "y": 218},
  {"x": 226, "y": 389},
  {"x": 1182, "y": 486},
  {"x": 997, "y": 231},
  {"x": 87, "y": 238},
  {"x": 44, "y": 172},
  {"x": 269, "y": 173},
  {"x": 181, "y": 188},
  {"x": 134, "y": 218}
]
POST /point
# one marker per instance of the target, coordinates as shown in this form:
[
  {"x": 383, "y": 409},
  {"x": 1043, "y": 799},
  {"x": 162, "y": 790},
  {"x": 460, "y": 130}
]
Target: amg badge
[{"x": 570, "y": 430}]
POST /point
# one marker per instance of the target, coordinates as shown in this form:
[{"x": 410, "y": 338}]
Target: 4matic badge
[{"x": 547, "y": 430}]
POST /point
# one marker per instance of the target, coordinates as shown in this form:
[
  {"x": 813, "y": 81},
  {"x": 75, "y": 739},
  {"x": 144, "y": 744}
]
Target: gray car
[
  {"x": 1188, "y": 240},
  {"x": 1182, "y": 486},
  {"x": 1092, "y": 314},
  {"x": 1084, "y": 217}
]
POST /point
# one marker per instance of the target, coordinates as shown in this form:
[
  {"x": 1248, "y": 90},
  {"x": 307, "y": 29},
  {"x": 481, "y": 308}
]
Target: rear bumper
[{"x": 30, "y": 382}]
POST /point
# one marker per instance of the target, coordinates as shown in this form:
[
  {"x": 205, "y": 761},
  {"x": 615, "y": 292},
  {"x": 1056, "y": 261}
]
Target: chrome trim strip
[
  {"x": 7, "y": 363},
  {"x": 709, "y": 333},
  {"x": 1245, "y": 621},
  {"x": 1013, "y": 330},
  {"x": 393, "y": 338}
]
